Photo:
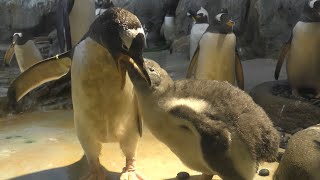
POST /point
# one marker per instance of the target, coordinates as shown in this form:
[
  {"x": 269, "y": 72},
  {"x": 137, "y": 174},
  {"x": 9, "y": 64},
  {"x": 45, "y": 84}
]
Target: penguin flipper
[
  {"x": 283, "y": 53},
  {"x": 239, "y": 72},
  {"x": 9, "y": 55},
  {"x": 47, "y": 70},
  {"x": 193, "y": 63}
]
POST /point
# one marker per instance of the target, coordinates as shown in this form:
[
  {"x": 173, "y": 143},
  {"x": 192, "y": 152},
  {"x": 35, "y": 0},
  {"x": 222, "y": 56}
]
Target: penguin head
[
  {"x": 312, "y": 10},
  {"x": 122, "y": 34},
  {"x": 160, "y": 80},
  {"x": 202, "y": 16},
  {"x": 223, "y": 23}
]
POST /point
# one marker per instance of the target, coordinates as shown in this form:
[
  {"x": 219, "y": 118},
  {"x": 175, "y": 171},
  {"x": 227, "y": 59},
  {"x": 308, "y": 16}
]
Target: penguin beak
[
  {"x": 230, "y": 23},
  {"x": 138, "y": 64},
  {"x": 10, "y": 52}
]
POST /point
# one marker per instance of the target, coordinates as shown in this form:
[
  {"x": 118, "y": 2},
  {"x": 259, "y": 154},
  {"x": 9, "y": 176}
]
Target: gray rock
[
  {"x": 264, "y": 172},
  {"x": 181, "y": 45},
  {"x": 301, "y": 159},
  {"x": 287, "y": 113},
  {"x": 34, "y": 15}
]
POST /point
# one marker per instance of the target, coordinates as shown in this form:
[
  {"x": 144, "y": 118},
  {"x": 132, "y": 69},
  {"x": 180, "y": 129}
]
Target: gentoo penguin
[
  {"x": 74, "y": 18},
  {"x": 104, "y": 101},
  {"x": 199, "y": 27},
  {"x": 23, "y": 46},
  {"x": 303, "y": 53},
  {"x": 102, "y": 6},
  {"x": 212, "y": 126},
  {"x": 216, "y": 57},
  {"x": 168, "y": 26},
  {"x": 301, "y": 159}
]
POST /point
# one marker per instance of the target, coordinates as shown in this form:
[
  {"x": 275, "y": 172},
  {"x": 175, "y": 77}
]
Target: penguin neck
[
  {"x": 220, "y": 29},
  {"x": 308, "y": 19}
]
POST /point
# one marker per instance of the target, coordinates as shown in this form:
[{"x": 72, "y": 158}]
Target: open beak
[
  {"x": 230, "y": 23},
  {"x": 42, "y": 39},
  {"x": 10, "y": 52},
  {"x": 141, "y": 69}
]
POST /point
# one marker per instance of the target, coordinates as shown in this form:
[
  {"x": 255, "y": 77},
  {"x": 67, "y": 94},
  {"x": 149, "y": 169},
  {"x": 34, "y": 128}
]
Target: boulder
[
  {"x": 301, "y": 159},
  {"x": 34, "y": 15},
  {"x": 285, "y": 111}
]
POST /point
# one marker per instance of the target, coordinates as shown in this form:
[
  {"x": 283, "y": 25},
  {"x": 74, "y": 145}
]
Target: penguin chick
[
  {"x": 302, "y": 52},
  {"x": 104, "y": 101},
  {"x": 301, "y": 159},
  {"x": 23, "y": 46},
  {"x": 201, "y": 23},
  {"x": 213, "y": 127},
  {"x": 216, "y": 57}
]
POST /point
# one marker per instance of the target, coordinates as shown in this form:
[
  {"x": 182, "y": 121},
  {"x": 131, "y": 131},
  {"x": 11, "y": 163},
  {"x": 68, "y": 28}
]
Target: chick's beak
[
  {"x": 230, "y": 23},
  {"x": 10, "y": 52},
  {"x": 138, "y": 64}
]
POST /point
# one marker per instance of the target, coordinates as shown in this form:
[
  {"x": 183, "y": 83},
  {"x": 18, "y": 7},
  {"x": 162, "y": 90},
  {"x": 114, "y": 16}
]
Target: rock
[
  {"x": 264, "y": 172},
  {"x": 301, "y": 159},
  {"x": 181, "y": 45},
  {"x": 183, "y": 176},
  {"x": 34, "y": 15},
  {"x": 285, "y": 112}
]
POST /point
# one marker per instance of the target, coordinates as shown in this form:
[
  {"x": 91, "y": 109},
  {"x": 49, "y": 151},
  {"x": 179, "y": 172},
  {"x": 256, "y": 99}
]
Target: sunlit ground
[{"x": 44, "y": 145}]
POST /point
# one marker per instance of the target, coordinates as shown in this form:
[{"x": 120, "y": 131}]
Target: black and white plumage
[
  {"x": 24, "y": 47},
  {"x": 302, "y": 52},
  {"x": 211, "y": 126},
  {"x": 215, "y": 57},
  {"x": 104, "y": 101}
]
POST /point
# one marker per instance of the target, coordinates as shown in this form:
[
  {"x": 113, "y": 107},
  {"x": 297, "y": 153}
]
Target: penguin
[
  {"x": 74, "y": 18},
  {"x": 102, "y": 5},
  {"x": 302, "y": 52},
  {"x": 168, "y": 26},
  {"x": 301, "y": 159},
  {"x": 199, "y": 27},
  {"x": 104, "y": 101},
  {"x": 216, "y": 56},
  {"x": 213, "y": 127},
  {"x": 24, "y": 47}
]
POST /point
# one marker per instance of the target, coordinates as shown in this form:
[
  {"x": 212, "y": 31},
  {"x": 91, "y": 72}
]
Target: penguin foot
[
  {"x": 205, "y": 177},
  {"x": 95, "y": 174},
  {"x": 129, "y": 172}
]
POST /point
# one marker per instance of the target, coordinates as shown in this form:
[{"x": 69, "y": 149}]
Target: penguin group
[{"x": 208, "y": 122}]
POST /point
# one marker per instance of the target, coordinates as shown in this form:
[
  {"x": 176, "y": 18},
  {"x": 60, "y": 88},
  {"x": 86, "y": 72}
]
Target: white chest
[
  {"x": 195, "y": 36},
  {"x": 27, "y": 55}
]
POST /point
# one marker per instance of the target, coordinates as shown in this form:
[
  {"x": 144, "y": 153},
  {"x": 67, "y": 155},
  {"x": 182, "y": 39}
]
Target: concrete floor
[{"x": 43, "y": 145}]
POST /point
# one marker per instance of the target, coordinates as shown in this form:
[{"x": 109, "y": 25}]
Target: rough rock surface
[
  {"x": 288, "y": 113},
  {"x": 34, "y": 15},
  {"x": 301, "y": 159}
]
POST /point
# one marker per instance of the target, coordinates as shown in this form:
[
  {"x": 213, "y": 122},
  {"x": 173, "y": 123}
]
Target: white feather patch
[
  {"x": 19, "y": 34},
  {"x": 203, "y": 11},
  {"x": 218, "y": 17},
  {"x": 196, "y": 105},
  {"x": 311, "y": 3},
  {"x": 128, "y": 35}
]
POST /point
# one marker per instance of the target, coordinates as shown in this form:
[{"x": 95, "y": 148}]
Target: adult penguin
[
  {"x": 201, "y": 23},
  {"x": 74, "y": 18},
  {"x": 104, "y": 101},
  {"x": 24, "y": 47},
  {"x": 216, "y": 56},
  {"x": 302, "y": 52}
]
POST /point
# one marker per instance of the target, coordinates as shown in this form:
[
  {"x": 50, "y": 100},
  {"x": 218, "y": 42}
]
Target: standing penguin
[
  {"x": 104, "y": 101},
  {"x": 302, "y": 49},
  {"x": 201, "y": 23},
  {"x": 23, "y": 46},
  {"x": 168, "y": 26},
  {"x": 74, "y": 18},
  {"x": 216, "y": 57},
  {"x": 213, "y": 127}
]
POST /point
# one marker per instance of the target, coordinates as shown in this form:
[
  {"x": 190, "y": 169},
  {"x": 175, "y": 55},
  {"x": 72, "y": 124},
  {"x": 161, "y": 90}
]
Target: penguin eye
[
  {"x": 125, "y": 47},
  {"x": 151, "y": 69}
]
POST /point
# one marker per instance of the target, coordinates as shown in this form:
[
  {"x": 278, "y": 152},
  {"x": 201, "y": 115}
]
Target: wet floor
[{"x": 43, "y": 145}]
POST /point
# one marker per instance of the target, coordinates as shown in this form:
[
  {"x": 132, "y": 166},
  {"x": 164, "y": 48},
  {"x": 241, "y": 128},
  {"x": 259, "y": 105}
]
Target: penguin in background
[
  {"x": 200, "y": 25},
  {"x": 24, "y": 47},
  {"x": 211, "y": 126},
  {"x": 74, "y": 18},
  {"x": 302, "y": 52},
  {"x": 168, "y": 26},
  {"x": 216, "y": 57},
  {"x": 104, "y": 101}
]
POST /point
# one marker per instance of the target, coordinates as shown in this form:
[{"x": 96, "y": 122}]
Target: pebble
[
  {"x": 183, "y": 176},
  {"x": 264, "y": 172}
]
